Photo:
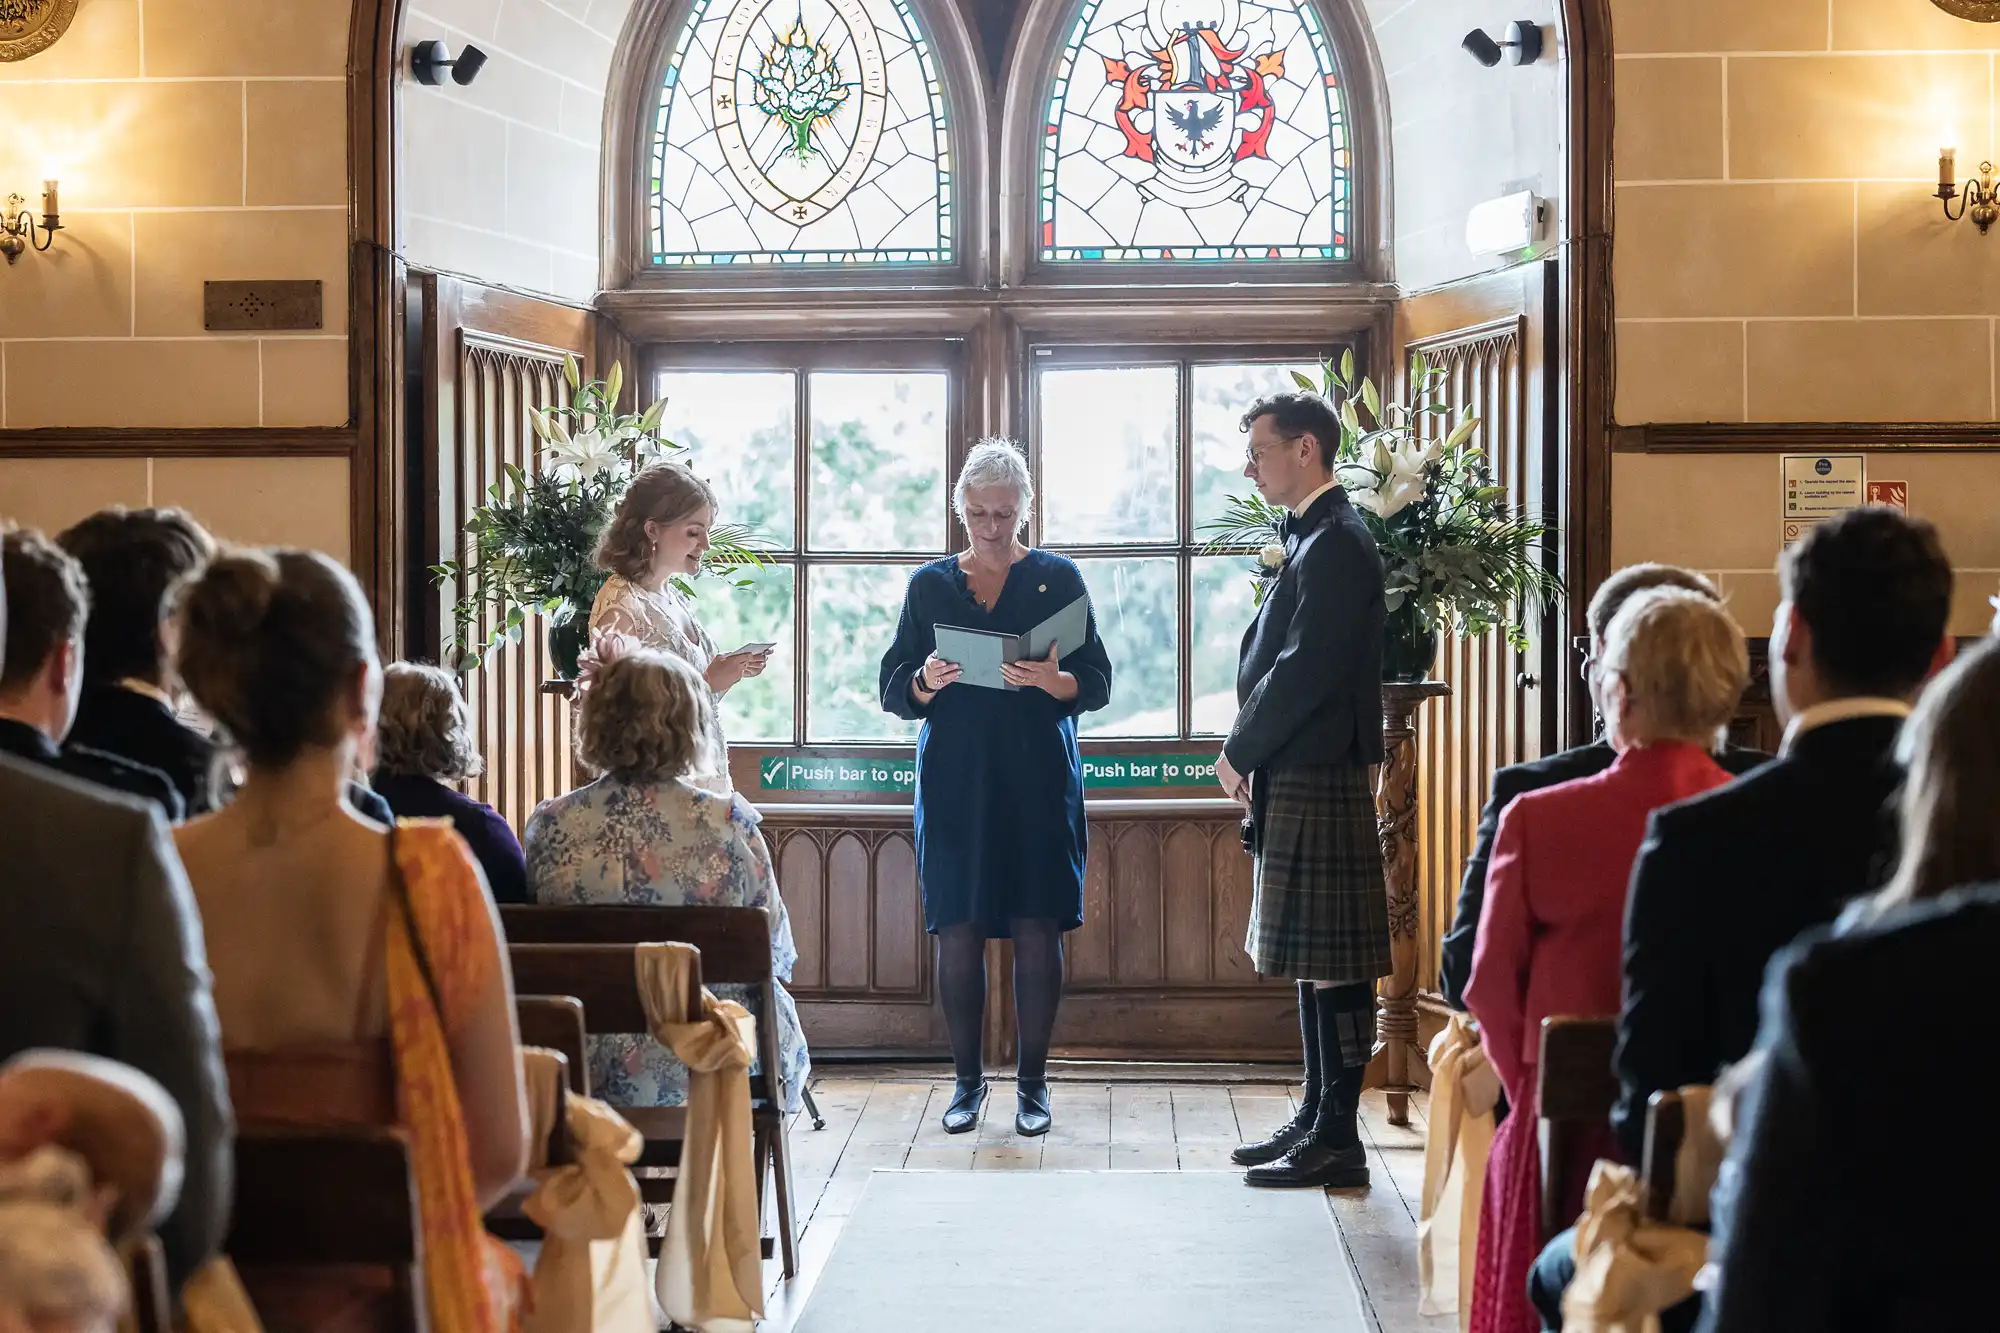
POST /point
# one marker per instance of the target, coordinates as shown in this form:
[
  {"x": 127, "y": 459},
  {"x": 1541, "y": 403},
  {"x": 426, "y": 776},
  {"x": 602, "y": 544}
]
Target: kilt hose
[{"x": 1320, "y": 909}]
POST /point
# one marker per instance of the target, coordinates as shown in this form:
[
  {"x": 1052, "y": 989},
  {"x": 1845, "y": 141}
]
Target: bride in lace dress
[{"x": 659, "y": 532}]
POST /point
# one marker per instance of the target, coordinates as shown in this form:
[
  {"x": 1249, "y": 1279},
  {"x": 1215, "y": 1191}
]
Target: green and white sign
[{"x": 863, "y": 774}]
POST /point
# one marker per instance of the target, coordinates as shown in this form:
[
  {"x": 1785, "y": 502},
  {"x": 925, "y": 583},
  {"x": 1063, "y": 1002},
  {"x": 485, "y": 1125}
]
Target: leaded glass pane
[
  {"x": 1196, "y": 129},
  {"x": 801, "y": 132},
  {"x": 850, "y": 618},
  {"x": 1221, "y": 396},
  {"x": 1224, "y": 605},
  {"x": 760, "y": 708},
  {"x": 1110, "y": 454},
  {"x": 878, "y": 442},
  {"x": 739, "y": 427},
  {"x": 1137, "y": 607}
]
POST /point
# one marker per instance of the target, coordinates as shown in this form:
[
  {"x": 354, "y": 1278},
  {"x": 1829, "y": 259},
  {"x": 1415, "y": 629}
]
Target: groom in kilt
[{"x": 1309, "y": 723}]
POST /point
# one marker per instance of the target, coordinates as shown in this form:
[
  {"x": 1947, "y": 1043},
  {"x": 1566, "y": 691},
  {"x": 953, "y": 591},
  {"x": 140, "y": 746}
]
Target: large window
[
  {"x": 1136, "y": 452},
  {"x": 840, "y": 469}
]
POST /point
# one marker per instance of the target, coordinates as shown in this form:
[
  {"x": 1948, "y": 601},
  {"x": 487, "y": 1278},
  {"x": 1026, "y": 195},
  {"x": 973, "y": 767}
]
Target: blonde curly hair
[
  {"x": 640, "y": 720},
  {"x": 424, "y": 728}
]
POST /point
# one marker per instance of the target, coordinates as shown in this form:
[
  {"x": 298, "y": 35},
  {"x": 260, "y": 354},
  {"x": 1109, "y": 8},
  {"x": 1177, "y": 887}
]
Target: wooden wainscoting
[
  {"x": 1491, "y": 338},
  {"x": 485, "y": 359},
  {"x": 1156, "y": 972}
]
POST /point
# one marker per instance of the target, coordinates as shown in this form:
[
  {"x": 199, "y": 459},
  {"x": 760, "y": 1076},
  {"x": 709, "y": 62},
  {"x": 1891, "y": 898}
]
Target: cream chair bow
[
  {"x": 1627, "y": 1269},
  {"x": 1464, "y": 1092},
  {"x": 591, "y": 1274},
  {"x": 711, "y": 1271}
]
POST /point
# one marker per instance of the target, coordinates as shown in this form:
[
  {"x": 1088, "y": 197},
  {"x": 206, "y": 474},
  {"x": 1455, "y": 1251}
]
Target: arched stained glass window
[
  {"x": 1196, "y": 129},
  {"x": 801, "y": 132}
]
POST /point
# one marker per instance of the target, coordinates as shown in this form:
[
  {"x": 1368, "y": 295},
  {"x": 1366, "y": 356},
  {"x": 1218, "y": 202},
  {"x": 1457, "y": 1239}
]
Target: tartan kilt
[{"x": 1320, "y": 910}]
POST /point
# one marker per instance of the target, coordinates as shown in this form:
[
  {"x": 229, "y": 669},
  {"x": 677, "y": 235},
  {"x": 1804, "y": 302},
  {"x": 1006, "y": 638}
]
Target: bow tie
[{"x": 1291, "y": 526}]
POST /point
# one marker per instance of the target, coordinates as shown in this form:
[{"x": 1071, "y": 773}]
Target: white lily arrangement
[{"x": 534, "y": 542}]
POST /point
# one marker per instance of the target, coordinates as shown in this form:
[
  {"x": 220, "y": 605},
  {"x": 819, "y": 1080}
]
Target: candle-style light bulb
[
  {"x": 1947, "y": 161},
  {"x": 51, "y": 207}
]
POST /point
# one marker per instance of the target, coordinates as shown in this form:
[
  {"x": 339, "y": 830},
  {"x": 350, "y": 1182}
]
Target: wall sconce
[
  {"x": 1980, "y": 199},
  {"x": 1523, "y": 38},
  {"x": 429, "y": 61},
  {"x": 17, "y": 225}
]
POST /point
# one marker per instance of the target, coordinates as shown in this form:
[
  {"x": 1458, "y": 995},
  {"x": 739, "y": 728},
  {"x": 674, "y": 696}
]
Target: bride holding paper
[{"x": 997, "y": 653}]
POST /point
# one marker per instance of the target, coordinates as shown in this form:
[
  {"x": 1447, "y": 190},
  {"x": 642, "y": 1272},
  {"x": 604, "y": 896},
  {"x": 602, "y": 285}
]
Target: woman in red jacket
[{"x": 1674, "y": 666}]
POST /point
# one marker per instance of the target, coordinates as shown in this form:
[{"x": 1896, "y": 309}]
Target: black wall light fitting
[
  {"x": 1523, "y": 38},
  {"x": 430, "y": 60}
]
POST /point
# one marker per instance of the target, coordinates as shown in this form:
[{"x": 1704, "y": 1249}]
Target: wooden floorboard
[{"x": 1186, "y": 1118}]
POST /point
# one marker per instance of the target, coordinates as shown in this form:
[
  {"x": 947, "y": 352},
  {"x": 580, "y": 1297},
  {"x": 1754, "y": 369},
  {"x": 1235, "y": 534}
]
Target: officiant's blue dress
[{"x": 1000, "y": 831}]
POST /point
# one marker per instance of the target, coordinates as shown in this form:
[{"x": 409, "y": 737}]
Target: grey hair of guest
[{"x": 994, "y": 463}]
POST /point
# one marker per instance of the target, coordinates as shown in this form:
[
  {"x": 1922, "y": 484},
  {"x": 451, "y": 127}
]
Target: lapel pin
[{"x": 1043, "y": 588}]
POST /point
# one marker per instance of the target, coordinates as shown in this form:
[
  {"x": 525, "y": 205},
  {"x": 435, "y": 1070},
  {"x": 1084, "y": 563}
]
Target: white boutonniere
[{"x": 1270, "y": 564}]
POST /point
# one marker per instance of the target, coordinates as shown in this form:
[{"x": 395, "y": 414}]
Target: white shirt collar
[
  {"x": 1300, "y": 508},
  {"x": 1841, "y": 710}
]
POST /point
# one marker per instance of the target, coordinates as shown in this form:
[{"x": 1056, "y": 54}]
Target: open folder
[{"x": 980, "y": 653}]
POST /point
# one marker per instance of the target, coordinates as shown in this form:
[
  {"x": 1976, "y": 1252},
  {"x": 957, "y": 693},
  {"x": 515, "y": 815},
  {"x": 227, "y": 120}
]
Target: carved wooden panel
[
  {"x": 1503, "y": 703},
  {"x": 488, "y": 359},
  {"x": 1157, "y": 970}
]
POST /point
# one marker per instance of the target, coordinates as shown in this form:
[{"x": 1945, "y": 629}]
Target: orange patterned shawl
[{"x": 460, "y": 1261}]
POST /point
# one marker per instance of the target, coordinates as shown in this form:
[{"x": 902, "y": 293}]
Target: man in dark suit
[
  {"x": 134, "y": 559},
  {"x": 1726, "y": 879},
  {"x": 1308, "y": 725},
  {"x": 44, "y": 668},
  {"x": 1455, "y": 968},
  {"x": 101, "y": 951},
  {"x": 1824, "y": 1217}
]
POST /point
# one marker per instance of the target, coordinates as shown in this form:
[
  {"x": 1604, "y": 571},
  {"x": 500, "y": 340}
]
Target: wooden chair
[
  {"x": 1666, "y": 1126},
  {"x": 508, "y": 1219},
  {"x": 325, "y": 1215},
  {"x": 1577, "y": 1093},
  {"x": 556, "y": 1021},
  {"x": 146, "y": 1272},
  {"x": 735, "y": 945}
]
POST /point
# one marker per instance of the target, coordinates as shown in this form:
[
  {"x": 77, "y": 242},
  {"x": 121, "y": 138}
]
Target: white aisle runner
[{"x": 1083, "y": 1252}]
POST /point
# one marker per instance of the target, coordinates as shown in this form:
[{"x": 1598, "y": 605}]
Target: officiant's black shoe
[
  {"x": 1313, "y": 1165},
  {"x": 1031, "y": 1108},
  {"x": 963, "y": 1113},
  {"x": 1271, "y": 1149}
]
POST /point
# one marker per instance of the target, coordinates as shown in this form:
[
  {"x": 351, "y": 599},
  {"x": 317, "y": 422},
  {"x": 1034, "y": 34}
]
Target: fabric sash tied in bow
[{"x": 1464, "y": 1092}]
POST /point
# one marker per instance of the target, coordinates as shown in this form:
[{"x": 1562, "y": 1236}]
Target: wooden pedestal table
[{"x": 1396, "y": 822}]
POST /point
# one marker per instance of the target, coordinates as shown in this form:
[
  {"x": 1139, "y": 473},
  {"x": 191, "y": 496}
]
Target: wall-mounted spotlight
[
  {"x": 430, "y": 60},
  {"x": 1523, "y": 38},
  {"x": 18, "y": 230}
]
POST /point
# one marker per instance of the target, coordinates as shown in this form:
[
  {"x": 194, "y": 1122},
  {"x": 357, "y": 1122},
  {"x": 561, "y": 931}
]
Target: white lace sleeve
[{"x": 622, "y": 612}]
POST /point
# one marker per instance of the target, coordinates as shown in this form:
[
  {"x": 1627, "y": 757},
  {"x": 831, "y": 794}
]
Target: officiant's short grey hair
[{"x": 992, "y": 463}]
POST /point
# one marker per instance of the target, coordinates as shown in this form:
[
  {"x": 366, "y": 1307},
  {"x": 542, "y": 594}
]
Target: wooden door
[
  {"x": 1495, "y": 338},
  {"x": 484, "y": 358}
]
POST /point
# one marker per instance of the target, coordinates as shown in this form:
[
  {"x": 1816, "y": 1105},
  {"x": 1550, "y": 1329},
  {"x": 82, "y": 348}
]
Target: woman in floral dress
[
  {"x": 645, "y": 833},
  {"x": 660, "y": 533}
]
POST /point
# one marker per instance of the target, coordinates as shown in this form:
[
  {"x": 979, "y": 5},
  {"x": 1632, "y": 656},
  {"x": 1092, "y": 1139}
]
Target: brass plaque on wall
[
  {"x": 238, "y": 307},
  {"x": 31, "y": 26}
]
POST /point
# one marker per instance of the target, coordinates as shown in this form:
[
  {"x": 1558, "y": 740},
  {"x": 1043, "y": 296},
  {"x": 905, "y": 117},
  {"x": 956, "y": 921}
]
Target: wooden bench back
[
  {"x": 327, "y": 1199},
  {"x": 602, "y": 978},
  {"x": 735, "y": 942},
  {"x": 1577, "y": 1092},
  {"x": 556, "y": 1021},
  {"x": 1666, "y": 1126}
]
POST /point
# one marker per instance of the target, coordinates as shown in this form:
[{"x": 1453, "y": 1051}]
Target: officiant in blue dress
[{"x": 1000, "y": 827}]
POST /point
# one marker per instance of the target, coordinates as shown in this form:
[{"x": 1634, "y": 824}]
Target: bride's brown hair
[{"x": 662, "y": 493}]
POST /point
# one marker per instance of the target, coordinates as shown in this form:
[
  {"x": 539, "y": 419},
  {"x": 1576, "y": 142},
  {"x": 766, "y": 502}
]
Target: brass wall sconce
[
  {"x": 1979, "y": 199},
  {"x": 18, "y": 228}
]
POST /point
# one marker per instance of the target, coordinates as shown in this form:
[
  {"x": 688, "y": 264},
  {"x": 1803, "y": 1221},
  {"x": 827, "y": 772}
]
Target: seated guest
[
  {"x": 44, "y": 673},
  {"x": 1674, "y": 666},
  {"x": 1866, "y": 597},
  {"x": 643, "y": 833},
  {"x": 359, "y": 972},
  {"x": 90, "y": 1156},
  {"x": 133, "y": 559},
  {"x": 1581, "y": 762},
  {"x": 1809, "y": 1174},
  {"x": 101, "y": 952},
  {"x": 423, "y": 741}
]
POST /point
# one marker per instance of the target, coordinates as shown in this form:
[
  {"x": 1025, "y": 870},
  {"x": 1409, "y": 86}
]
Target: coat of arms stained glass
[
  {"x": 801, "y": 132},
  {"x": 1195, "y": 130}
]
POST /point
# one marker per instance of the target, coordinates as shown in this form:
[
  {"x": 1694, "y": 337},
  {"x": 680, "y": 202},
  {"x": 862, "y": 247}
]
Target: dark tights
[{"x": 961, "y": 963}]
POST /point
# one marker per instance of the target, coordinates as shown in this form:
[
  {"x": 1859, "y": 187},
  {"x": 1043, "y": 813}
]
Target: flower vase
[
  {"x": 567, "y": 640},
  {"x": 1409, "y": 646}
]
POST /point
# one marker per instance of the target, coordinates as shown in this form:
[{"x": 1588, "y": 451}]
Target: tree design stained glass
[
  {"x": 1196, "y": 129},
  {"x": 801, "y": 132}
]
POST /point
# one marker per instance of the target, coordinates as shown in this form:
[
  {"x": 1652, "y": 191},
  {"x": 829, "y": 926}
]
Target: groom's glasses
[{"x": 1254, "y": 456}]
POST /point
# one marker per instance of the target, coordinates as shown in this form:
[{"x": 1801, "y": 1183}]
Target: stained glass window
[
  {"x": 801, "y": 132},
  {"x": 1196, "y": 129}
]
